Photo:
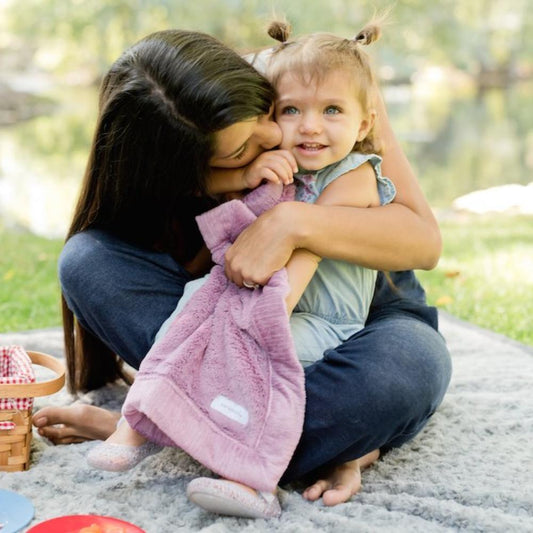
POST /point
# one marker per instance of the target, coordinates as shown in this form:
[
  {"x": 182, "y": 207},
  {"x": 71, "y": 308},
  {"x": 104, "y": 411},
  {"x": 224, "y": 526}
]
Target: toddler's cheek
[{"x": 285, "y": 143}]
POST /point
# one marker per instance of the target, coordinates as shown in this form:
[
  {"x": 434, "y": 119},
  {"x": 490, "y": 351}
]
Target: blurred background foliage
[{"x": 482, "y": 37}]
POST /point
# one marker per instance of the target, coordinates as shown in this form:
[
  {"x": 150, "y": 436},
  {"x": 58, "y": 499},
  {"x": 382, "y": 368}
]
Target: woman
[{"x": 172, "y": 106}]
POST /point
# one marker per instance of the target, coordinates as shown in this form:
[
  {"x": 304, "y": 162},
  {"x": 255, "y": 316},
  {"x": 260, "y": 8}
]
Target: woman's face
[{"x": 239, "y": 144}]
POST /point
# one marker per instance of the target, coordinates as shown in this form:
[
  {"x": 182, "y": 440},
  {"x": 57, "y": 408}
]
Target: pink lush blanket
[{"x": 224, "y": 383}]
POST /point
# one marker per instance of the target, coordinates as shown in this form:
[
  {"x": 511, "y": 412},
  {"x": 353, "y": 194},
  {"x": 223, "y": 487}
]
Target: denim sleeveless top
[{"x": 336, "y": 302}]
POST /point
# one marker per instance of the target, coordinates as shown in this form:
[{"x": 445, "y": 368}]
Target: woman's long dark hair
[{"x": 160, "y": 105}]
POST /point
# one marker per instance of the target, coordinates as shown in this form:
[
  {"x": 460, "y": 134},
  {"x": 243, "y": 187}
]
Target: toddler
[{"x": 325, "y": 108}]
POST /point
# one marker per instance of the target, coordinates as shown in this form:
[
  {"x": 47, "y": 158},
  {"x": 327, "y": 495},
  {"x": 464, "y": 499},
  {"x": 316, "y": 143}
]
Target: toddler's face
[{"x": 320, "y": 121}]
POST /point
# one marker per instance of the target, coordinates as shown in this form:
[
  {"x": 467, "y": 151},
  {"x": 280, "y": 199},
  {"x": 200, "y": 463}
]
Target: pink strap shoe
[{"x": 227, "y": 498}]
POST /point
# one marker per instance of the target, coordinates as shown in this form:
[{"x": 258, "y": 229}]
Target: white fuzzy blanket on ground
[{"x": 471, "y": 469}]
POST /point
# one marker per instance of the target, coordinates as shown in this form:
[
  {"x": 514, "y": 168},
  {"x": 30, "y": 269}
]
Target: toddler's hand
[{"x": 276, "y": 166}]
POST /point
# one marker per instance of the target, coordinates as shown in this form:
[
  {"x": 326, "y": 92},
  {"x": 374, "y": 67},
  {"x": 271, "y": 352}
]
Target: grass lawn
[
  {"x": 29, "y": 290},
  {"x": 485, "y": 276}
]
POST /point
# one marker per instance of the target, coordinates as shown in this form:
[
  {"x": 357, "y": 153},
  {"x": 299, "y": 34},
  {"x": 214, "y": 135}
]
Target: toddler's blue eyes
[
  {"x": 330, "y": 110},
  {"x": 289, "y": 110}
]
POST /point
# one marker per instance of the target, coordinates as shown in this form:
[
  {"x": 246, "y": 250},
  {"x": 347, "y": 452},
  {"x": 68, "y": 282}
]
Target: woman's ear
[{"x": 367, "y": 124}]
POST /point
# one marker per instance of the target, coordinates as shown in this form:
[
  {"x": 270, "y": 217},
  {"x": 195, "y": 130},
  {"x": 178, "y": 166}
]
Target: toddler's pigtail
[
  {"x": 280, "y": 31},
  {"x": 372, "y": 30},
  {"x": 368, "y": 34}
]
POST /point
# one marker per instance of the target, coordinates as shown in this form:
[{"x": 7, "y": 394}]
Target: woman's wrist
[{"x": 291, "y": 218}]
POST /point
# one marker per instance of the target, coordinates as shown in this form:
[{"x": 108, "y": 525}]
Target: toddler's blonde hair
[{"x": 312, "y": 57}]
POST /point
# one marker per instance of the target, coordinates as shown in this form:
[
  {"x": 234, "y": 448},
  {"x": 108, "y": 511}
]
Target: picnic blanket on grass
[{"x": 469, "y": 470}]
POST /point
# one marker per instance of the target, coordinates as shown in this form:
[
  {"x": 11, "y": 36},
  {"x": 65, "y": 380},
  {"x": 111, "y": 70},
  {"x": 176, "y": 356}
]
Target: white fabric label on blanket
[{"x": 230, "y": 409}]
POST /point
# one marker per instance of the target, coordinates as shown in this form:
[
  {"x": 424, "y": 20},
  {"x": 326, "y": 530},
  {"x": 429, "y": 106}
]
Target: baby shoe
[
  {"x": 227, "y": 498},
  {"x": 120, "y": 457}
]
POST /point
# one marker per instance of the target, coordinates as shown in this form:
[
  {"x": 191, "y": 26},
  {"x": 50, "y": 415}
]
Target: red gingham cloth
[{"x": 15, "y": 368}]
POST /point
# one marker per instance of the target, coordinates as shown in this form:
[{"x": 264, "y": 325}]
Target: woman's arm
[
  {"x": 423, "y": 234},
  {"x": 356, "y": 188},
  {"x": 399, "y": 236}
]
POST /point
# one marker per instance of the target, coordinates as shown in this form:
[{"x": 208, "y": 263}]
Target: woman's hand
[
  {"x": 276, "y": 166},
  {"x": 264, "y": 247}
]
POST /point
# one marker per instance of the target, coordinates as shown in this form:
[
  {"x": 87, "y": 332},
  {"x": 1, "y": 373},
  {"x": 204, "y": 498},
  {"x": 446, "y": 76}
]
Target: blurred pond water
[{"x": 457, "y": 143}]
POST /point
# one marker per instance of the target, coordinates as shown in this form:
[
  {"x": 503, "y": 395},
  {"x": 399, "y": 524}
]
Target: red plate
[{"x": 73, "y": 524}]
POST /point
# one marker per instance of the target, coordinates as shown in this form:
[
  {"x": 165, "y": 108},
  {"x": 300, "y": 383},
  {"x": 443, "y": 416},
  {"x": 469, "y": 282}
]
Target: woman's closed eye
[{"x": 242, "y": 152}]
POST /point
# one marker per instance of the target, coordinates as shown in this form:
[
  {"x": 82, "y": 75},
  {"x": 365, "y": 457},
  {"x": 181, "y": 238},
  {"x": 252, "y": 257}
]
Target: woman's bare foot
[
  {"x": 343, "y": 482},
  {"x": 75, "y": 423}
]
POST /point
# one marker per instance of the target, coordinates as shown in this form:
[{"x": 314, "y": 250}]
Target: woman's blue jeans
[{"x": 376, "y": 390}]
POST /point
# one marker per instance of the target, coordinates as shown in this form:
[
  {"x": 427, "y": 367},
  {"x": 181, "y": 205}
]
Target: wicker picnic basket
[{"x": 15, "y": 438}]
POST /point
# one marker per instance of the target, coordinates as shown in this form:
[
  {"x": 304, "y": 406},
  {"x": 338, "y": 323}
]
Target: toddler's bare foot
[
  {"x": 342, "y": 483},
  {"x": 75, "y": 423},
  {"x": 125, "y": 435}
]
